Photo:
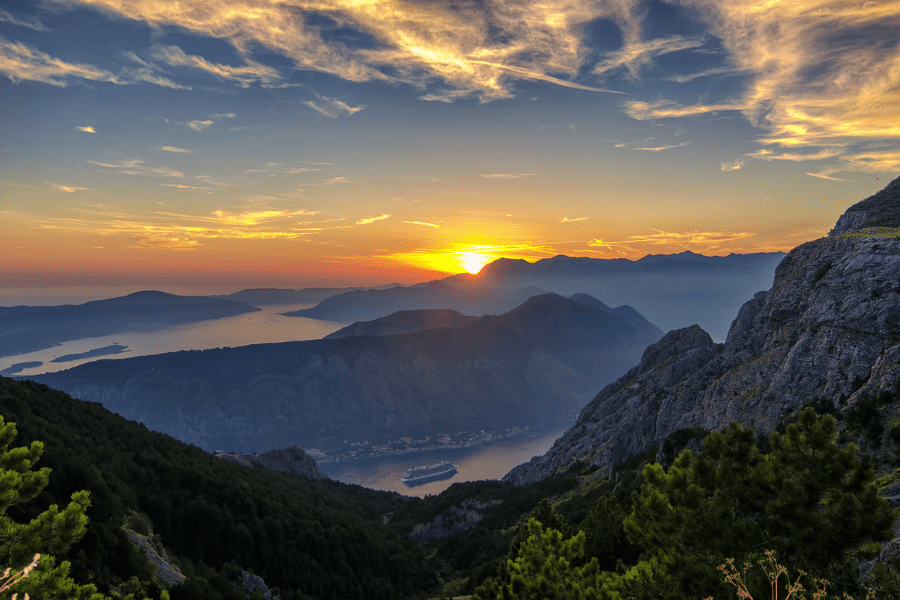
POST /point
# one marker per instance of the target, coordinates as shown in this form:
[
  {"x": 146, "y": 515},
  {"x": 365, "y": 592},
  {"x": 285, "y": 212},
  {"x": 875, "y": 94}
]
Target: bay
[
  {"x": 491, "y": 460},
  {"x": 263, "y": 327}
]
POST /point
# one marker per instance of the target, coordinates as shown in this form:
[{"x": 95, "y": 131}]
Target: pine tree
[{"x": 51, "y": 532}]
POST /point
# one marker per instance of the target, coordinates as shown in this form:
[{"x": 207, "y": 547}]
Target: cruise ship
[{"x": 416, "y": 475}]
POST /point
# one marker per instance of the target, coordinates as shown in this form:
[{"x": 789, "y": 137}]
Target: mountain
[
  {"x": 539, "y": 362},
  {"x": 313, "y": 538},
  {"x": 827, "y": 333},
  {"x": 292, "y": 459},
  {"x": 30, "y": 328},
  {"x": 276, "y": 296},
  {"x": 405, "y": 321},
  {"x": 365, "y": 305},
  {"x": 672, "y": 291}
]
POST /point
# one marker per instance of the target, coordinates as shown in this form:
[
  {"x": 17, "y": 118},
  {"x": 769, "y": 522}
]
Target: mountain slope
[
  {"x": 509, "y": 371},
  {"x": 405, "y": 321},
  {"x": 30, "y": 328},
  {"x": 829, "y": 328}
]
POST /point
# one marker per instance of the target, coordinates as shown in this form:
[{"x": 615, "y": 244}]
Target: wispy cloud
[
  {"x": 575, "y": 220},
  {"x": 20, "y": 62},
  {"x": 67, "y": 188},
  {"x": 186, "y": 187},
  {"x": 176, "y": 149},
  {"x": 334, "y": 180},
  {"x": 474, "y": 49},
  {"x": 138, "y": 167},
  {"x": 824, "y": 176},
  {"x": 506, "y": 175},
  {"x": 696, "y": 240},
  {"x": 85, "y": 129},
  {"x": 706, "y": 73},
  {"x": 821, "y": 75},
  {"x": 634, "y": 56},
  {"x": 332, "y": 107},
  {"x": 243, "y": 76},
  {"x": 369, "y": 220},
  {"x": 202, "y": 125},
  {"x": 185, "y": 232},
  {"x": 661, "y": 148},
  {"x": 734, "y": 165},
  {"x": 422, "y": 223},
  {"x": 21, "y": 21}
]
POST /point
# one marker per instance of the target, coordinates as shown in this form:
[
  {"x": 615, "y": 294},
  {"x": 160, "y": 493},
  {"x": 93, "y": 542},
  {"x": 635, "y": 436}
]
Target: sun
[{"x": 472, "y": 261}]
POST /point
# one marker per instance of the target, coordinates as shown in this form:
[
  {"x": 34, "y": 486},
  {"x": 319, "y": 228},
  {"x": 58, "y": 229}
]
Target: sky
[{"x": 298, "y": 143}]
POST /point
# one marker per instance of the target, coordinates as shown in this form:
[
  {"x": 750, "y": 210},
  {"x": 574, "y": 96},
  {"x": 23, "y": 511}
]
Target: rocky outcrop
[
  {"x": 829, "y": 328},
  {"x": 251, "y": 583},
  {"x": 292, "y": 459}
]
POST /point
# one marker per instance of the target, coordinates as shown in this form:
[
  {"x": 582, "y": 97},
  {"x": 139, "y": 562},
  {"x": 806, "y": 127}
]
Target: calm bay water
[
  {"x": 265, "y": 326},
  {"x": 492, "y": 460}
]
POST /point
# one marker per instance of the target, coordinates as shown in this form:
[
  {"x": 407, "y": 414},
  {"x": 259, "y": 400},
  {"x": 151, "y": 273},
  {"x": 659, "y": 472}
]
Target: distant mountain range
[
  {"x": 277, "y": 296},
  {"x": 365, "y": 305},
  {"x": 31, "y": 328},
  {"x": 541, "y": 361},
  {"x": 671, "y": 290}
]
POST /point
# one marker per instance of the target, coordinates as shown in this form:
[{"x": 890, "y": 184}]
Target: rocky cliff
[
  {"x": 827, "y": 331},
  {"x": 292, "y": 459}
]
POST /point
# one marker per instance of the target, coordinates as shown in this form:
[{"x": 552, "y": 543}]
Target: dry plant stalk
[{"x": 7, "y": 581}]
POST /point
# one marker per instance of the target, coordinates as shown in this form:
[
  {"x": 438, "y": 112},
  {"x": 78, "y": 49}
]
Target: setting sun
[{"x": 473, "y": 261}]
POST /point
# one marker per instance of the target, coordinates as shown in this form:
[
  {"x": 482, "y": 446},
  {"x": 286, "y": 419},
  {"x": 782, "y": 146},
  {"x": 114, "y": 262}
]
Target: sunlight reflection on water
[
  {"x": 263, "y": 327},
  {"x": 487, "y": 461}
]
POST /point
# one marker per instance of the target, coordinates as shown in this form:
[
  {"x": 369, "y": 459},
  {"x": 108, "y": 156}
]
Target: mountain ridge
[{"x": 829, "y": 328}]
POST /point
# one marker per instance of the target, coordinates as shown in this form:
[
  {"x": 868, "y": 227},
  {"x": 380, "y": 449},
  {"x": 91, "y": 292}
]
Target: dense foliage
[
  {"x": 808, "y": 502},
  {"x": 310, "y": 539}
]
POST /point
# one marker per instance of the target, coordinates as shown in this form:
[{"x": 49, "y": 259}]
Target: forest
[{"x": 794, "y": 502}]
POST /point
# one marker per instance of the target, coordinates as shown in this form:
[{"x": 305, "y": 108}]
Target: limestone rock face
[
  {"x": 292, "y": 459},
  {"x": 829, "y": 328}
]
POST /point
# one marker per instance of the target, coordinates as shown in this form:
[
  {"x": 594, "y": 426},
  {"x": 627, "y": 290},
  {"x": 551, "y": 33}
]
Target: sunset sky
[{"x": 293, "y": 143}]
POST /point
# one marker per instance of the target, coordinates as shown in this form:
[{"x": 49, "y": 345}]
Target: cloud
[
  {"x": 334, "y": 180},
  {"x": 368, "y": 220},
  {"x": 820, "y": 75},
  {"x": 568, "y": 220},
  {"x": 470, "y": 49},
  {"x": 507, "y": 175},
  {"x": 200, "y": 125},
  {"x": 767, "y": 155},
  {"x": 661, "y": 148},
  {"x": 420, "y": 223},
  {"x": 176, "y": 150},
  {"x": 823, "y": 176},
  {"x": 706, "y": 73},
  {"x": 186, "y": 187},
  {"x": 684, "y": 240},
  {"x": 86, "y": 128},
  {"x": 332, "y": 107},
  {"x": 23, "y": 63},
  {"x": 636, "y": 55},
  {"x": 734, "y": 165},
  {"x": 67, "y": 188},
  {"x": 252, "y": 72},
  {"x": 137, "y": 167},
  {"x": 29, "y": 22}
]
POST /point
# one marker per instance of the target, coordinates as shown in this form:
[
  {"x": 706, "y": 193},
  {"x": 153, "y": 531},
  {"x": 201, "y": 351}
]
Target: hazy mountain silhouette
[
  {"x": 539, "y": 362},
  {"x": 30, "y": 328}
]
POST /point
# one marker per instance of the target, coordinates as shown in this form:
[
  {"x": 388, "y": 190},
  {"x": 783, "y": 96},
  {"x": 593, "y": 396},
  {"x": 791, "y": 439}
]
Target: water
[
  {"x": 265, "y": 326},
  {"x": 492, "y": 460}
]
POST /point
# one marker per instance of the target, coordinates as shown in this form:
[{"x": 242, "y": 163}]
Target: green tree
[
  {"x": 548, "y": 565},
  {"x": 810, "y": 501},
  {"x": 51, "y": 532}
]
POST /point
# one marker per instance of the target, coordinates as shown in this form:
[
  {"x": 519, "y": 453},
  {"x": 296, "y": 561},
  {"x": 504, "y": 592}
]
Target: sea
[{"x": 491, "y": 460}]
